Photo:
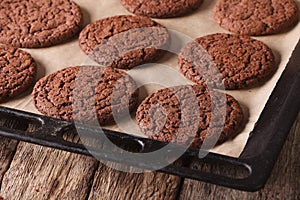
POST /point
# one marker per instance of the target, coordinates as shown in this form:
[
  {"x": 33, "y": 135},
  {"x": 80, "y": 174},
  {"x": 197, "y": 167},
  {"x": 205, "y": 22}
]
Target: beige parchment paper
[{"x": 195, "y": 25}]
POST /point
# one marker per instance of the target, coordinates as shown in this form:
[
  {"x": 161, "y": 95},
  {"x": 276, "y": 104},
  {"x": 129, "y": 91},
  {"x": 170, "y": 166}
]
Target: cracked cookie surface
[
  {"x": 124, "y": 41},
  {"x": 38, "y": 23},
  {"x": 256, "y": 17},
  {"x": 170, "y": 115},
  {"x": 17, "y": 71},
  {"x": 232, "y": 61},
  {"x": 86, "y": 93},
  {"x": 161, "y": 8}
]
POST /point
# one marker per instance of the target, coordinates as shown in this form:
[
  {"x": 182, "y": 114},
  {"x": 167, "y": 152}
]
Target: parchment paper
[{"x": 197, "y": 24}]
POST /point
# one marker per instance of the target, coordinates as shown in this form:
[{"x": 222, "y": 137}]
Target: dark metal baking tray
[{"x": 249, "y": 172}]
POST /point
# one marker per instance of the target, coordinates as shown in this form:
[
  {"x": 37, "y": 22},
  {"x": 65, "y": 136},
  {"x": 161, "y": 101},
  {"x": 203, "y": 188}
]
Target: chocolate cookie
[
  {"x": 38, "y": 23},
  {"x": 18, "y": 71},
  {"x": 256, "y": 17},
  {"x": 161, "y": 8},
  {"x": 232, "y": 61},
  {"x": 124, "y": 41},
  {"x": 91, "y": 90},
  {"x": 184, "y": 115}
]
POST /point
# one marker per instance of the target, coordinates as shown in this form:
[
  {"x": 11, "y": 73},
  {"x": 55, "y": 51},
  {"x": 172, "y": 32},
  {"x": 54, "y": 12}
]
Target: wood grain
[
  {"x": 7, "y": 150},
  {"x": 43, "y": 173},
  {"x": 7, "y": 146},
  {"x": 112, "y": 184},
  {"x": 284, "y": 182}
]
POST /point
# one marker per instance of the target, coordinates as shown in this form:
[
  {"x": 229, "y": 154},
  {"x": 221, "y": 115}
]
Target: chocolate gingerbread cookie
[
  {"x": 124, "y": 41},
  {"x": 232, "y": 61},
  {"x": 189, "y": 115},
  {"x": 38, "y": 23},
  {"x": 18, "y": 71},
  {"x": 261, "y": 17},
  {"x": 86, "y": 93},
  {"x": 161, "y": 8}
]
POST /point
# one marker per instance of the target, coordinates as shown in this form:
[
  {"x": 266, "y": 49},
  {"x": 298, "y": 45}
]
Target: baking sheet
[{"x": 197, "y": 24}]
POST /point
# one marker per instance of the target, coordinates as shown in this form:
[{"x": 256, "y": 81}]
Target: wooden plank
[
  {"x": 284, "y": 182},
  {"x": 112, "y": 184},
  {"x": 7, "y": 151},
  {"x": 43, "y": 173},
  {"x": 7, "y": 146}
]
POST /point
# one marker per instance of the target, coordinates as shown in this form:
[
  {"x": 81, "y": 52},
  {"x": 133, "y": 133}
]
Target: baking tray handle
[
  {"x": 50, "y": 132},
  {"x": 45, "y": 131}
]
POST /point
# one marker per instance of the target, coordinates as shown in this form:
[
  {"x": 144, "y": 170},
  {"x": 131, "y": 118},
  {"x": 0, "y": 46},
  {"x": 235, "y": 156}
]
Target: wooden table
[{"x": 33, "y": 172}]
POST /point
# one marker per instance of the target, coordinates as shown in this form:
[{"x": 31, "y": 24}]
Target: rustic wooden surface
[
  {"x": 44, "y": 173},
  {"x": 110, "y": 184},
  {"x": 7, "y": 147},
  {"x": 34, "y": 172}
]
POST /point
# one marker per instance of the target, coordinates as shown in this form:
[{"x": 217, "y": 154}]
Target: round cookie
[
  {"x": 81, "y": 93},
  {"x": 124, "y": 41},
  {"x": 161, "y": 8},
  {"x": 18, "y": 71},
  {"x": 165, "y": 123},
  {"x": 239, "y": 61},
  {"x": 38, "y": 23},
  {"x": 256, "y": 17}
]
